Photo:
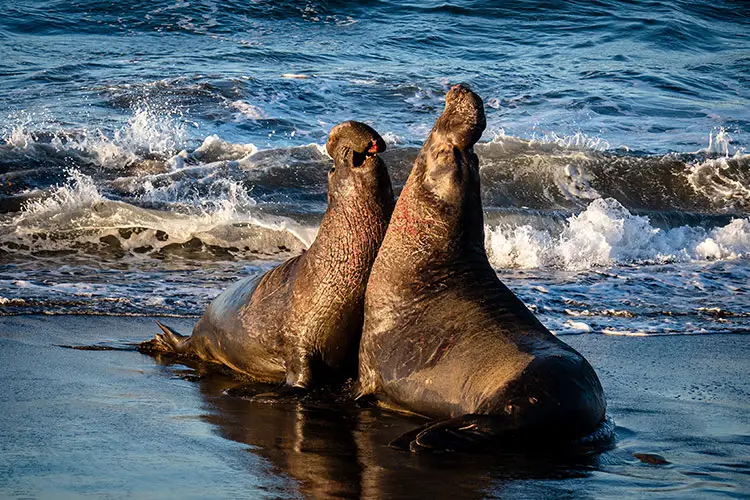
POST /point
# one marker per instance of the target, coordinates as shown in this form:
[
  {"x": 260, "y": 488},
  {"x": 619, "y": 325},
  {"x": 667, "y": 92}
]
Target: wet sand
[{"x": 105, "y": 423}]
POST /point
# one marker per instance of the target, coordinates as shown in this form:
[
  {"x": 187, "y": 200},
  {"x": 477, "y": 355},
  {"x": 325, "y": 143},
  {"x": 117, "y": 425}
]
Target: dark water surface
[{"x": 153, "y": 152}]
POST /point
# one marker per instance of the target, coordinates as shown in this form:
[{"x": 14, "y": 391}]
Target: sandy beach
[{"x": 103, "y": 423}]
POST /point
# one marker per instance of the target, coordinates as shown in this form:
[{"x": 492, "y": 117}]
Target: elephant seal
[
  {"x": 443, "y": 336},
  {"x": 300, "y": 323}
]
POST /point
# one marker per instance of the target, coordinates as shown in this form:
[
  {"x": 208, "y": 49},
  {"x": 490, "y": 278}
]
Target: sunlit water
[{"x": 151, "y": 153}]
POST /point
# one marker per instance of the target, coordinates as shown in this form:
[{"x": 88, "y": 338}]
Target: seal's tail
[{"x": 168, "y": 342}]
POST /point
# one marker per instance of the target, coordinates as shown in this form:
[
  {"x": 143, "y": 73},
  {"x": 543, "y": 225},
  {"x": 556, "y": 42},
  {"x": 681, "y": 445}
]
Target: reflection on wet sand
[{"x": 336, "y": 449}]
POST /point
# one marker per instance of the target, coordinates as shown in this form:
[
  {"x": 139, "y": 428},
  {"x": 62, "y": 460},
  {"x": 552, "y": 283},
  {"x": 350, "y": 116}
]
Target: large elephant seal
[
  {"x": 300, "y": 323},
  {"x": 443, "y": 337}
]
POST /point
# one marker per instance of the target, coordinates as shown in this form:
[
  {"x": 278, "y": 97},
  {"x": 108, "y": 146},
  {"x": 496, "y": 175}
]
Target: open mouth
[{"x": 358, "y": 159}]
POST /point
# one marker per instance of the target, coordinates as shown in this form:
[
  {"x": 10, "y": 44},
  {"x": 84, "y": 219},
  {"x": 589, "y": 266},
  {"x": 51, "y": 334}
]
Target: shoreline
[{"x": 93, "y": 422}]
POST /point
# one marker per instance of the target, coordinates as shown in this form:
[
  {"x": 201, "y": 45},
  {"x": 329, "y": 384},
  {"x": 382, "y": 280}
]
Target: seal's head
[
  {"x": 354, "y": 145},
  {"x": 451, "y": 169},
  {"x": 357, "y": 168},
  {"x": 463, "y": 121}
]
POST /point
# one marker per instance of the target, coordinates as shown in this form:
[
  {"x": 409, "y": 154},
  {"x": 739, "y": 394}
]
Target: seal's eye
[{"x": 358, "y": 158}]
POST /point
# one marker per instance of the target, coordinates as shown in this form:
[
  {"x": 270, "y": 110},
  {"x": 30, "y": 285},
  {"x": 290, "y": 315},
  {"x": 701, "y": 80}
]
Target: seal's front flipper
[
  {"x": 168, "y": 342},
  {"x": 299, "y": 369},
  {"x": 464, "y": 433}
]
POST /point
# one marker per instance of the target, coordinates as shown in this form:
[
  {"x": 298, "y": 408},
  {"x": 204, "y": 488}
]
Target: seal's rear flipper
[
  {"x": 168, "y": 342},
  {"x": 404, "y": 441},
  {"x": 464, "y": 433}
]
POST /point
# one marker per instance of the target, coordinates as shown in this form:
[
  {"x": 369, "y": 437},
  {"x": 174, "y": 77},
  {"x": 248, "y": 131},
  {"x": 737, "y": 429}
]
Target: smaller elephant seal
[
  {"x": 443, "y": 337},
  {"x": 300, "y": 323}
]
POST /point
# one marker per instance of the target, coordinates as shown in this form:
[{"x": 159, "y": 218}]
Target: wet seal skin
[
  {"x": 300, "y": 323},
  {"x": 443, "y": 337}
]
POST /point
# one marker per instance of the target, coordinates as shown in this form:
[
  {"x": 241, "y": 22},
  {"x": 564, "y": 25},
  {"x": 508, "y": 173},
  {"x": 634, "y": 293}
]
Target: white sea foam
[
  {"x": 722, "y": 180},
  {"x": 392, "y": 139},
  {"x": 79, "y": 191},
  {"x": 729, "y": 242},
  {"x": 578, "y": 326},
  {"x": 248, "y": 111},
  {"x": 606, "y": 233},
  {"x": 215, "y": 149},
  {"x": 578, "y": 140},
  {"x": 147, "y": 131},
  {"x": 625, "y": 333},
  {"x": 225, "y": 219}
]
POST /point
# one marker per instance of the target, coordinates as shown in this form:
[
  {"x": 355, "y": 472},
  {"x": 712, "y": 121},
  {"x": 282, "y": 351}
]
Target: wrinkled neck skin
[
  {"x": 437, "y": 225},
  {"x": 435, "y": 243},
  {"x": 359, "y": 208}
]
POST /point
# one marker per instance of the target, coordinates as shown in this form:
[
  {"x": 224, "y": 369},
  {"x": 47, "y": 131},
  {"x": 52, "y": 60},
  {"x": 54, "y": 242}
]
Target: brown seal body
[
  {"x": 300, "y": 323},
  {"x": 443, "y": 336}
]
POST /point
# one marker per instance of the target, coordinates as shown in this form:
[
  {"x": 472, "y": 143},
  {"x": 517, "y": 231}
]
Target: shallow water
[{"x": 98, "y": 423}]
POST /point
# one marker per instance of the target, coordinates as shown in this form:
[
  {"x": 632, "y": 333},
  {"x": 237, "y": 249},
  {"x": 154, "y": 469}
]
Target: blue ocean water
[
  {"x": 151, "y": 152},
  {"x": 649, "y": 76}
]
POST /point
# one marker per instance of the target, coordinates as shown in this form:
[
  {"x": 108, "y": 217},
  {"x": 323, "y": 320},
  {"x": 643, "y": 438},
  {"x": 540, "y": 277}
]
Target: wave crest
[
  {"x": 147, "y": 133},
  {"x": 606, "y": 233},
  {"x": 77, "y": 218}
]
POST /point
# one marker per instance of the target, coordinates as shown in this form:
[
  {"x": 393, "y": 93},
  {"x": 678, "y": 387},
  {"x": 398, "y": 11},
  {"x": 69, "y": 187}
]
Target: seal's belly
[
  {"x": 233, "y": 332},
  {"x": 447, "y": 378}
]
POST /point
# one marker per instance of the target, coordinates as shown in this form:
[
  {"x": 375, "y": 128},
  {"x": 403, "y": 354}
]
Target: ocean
[{"x": 153, "y": 152}]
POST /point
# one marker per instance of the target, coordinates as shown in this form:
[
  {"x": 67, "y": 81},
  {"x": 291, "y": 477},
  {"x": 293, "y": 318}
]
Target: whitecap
[{"x": 606, "y": 233}]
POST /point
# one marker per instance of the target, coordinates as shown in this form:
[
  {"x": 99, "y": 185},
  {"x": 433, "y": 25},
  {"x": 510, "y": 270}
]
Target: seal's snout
[
  {"x": 460, "y": 87},
  {"x": 362, "y": 140},
  {"x": 463, "y": 119},
  {"x": 460, "y": 95}
]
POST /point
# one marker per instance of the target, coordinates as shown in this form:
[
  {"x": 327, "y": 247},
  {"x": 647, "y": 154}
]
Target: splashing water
[
  {"x": 578, "y": 140},
  {"x": 719, "y": 144},
  {"x": 606, "y": 233},
  {"x": 80, "y": 191},
  {"x": 148, "y": 132}
]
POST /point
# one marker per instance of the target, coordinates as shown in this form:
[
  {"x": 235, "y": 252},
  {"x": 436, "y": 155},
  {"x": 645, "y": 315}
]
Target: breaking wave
[
  {"x": 150, "y": 160},
  {"x": 561, "y": 202},
  {"x": 148, "y": 133},
  {"x": 606, "y": 233},
  {"x": 556, "y": 175},
  {"x": 77, "y": 218}
]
